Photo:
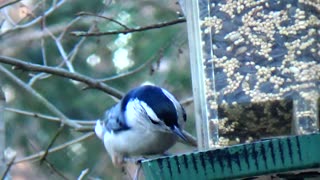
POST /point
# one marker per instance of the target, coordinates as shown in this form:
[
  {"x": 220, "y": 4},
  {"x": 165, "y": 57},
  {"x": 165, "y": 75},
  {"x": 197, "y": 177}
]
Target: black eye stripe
[{"x": 153, "y": 121}]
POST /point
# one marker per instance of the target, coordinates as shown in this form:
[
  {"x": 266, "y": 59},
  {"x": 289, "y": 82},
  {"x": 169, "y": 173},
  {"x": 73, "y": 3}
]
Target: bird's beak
[{"x": 179, "y": 133}]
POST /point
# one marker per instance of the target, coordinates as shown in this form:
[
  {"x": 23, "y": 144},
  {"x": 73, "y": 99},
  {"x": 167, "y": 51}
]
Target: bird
[{"x": 148, "y": 120}]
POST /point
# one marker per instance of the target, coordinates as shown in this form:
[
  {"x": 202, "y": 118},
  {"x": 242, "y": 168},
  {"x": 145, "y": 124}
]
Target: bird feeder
[{"x": 253, "y": 63}]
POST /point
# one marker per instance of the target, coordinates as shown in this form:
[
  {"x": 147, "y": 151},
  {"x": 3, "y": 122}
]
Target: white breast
[{"x": 138, "y": 142}]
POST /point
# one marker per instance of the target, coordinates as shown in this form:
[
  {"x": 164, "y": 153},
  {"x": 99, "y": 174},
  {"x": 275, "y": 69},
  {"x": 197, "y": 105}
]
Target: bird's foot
[{"x": 137, "y": 160}]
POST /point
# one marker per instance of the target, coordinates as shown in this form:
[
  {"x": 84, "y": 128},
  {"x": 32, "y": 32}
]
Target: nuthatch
[{"x": 147, "y": 121}]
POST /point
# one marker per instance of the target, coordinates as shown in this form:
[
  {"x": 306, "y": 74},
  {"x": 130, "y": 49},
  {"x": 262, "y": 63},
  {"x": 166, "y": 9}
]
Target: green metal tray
[{"x": 240, "y": 161}]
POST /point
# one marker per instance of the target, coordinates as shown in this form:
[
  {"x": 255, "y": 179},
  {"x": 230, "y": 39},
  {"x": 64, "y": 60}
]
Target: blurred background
[{"x": 39, "y": 31}]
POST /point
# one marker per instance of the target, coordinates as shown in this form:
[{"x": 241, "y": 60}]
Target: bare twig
[
  {"x": 92, "y": 83},
  {"x": 76, "y": 48},
  {"x": 52, "y": 8},
  {"x": 38, "y": 155},
  {"x": 131, "y": 30},
  {"x": 38, "y": 97},
  {"x": 142, "y": 66},
  {"x": 61, "y": 51},
  {"x": 49, "y": 118},
  {"x": 54, "y": 169},
  {"x": 85, "y": 129},
  {"x": 72, "y": 54},
  {"x": 49, "y": 164},
  {"x": 67, "y": 58},
  {"x": 43, "y": 53},
  {"x": 103, "y": 17},
  {"x": 73, "y": 21},
  {"x": 9, "y": 3},
  {"x": 3, "y": 176},
  {"x": 51, "y": 143},
  {"x": 83, "y": 174}
]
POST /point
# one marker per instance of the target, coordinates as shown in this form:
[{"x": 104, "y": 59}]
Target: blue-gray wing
[{"x": 114, "y": 120}]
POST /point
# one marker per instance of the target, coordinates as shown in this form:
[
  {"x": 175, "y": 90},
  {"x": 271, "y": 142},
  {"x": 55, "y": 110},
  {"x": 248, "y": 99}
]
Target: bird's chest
[{"x": 138, "y": 142}]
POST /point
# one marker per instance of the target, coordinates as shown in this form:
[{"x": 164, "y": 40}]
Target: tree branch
[
  {"x": 4, "y": 175},
  {"x": 92, "y": 83},
  {"x": 131, "y": 30},
  {"x": 52, "y": 8},
  {"x": 38, "y": 155},
  {"x": 9, "y": 3},
  {"x": 39, "y": 97},
  {"x": 103, "y": 17},
  {"x": 51, "y": 143},
  {"x": 83, "y": 174},
  {"x": 47, "y": 117}
]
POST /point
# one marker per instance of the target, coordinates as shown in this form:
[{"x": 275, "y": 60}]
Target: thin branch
[
  {"x": 76, "y": 48},
  {"x": 85, "y": 129},
  {"x": 38, "y": 97},
  {"x": 43, "y": 53},
  {"x": 52, "y": 8},
  {"x": 73, "y": 21},
  {"x": 8, "y": 168},
  {"x": 47, "y": 117},
  {"x": 43, "y": 49},
  {"x": 156, "y": 57},
  {"x": 9, "y": 3},
  {"x": 61, "y": 51},
  {"x": 83, "y": 174},
  {"x": 103, "y": 17},
  {"x": 131, "y": 30},
  {"x": 37, "y": 156},
  {"x": 49, "y": 164},
  {"x": 92, "y": 83},
  {"x": 51, "y": 143},
  {"x": 142, "y": 66},
  {"x": 54, "y": 169},
  {"x": 67, "y": 58}
]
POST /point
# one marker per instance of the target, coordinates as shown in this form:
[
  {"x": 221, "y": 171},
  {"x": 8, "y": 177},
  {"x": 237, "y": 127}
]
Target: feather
[{"x": 114, "y": 120}]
